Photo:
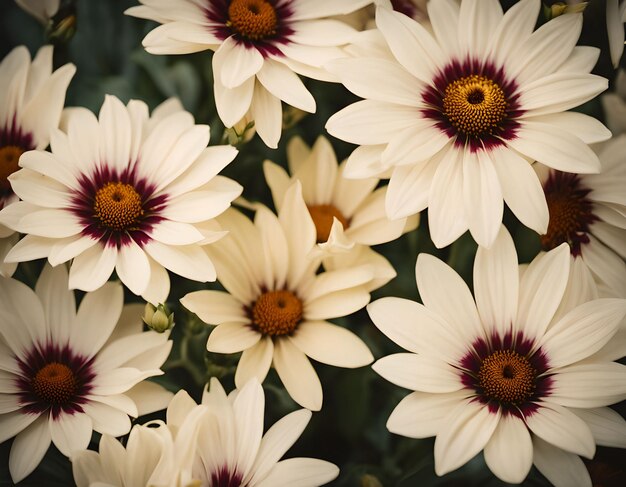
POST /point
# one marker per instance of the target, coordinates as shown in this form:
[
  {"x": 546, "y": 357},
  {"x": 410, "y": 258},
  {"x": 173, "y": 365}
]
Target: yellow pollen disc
[
  {"x": 9, "y": 157},
  {"x": 507, "y": 376},
  {"x": 252, "y": 19},
  {"x": 322, "y": 216},
  {"x": 277, "y": 313},
  {"x": 474, "y": 105},
  {"x": 55, "y": 383},
  {"x": 118, "y": 206},
  {"x": 566, "y": 214}
]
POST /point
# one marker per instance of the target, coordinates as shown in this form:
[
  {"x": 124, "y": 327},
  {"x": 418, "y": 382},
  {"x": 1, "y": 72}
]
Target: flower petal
[
  {"x": 298, "y": 375},
  {"x": 71, "y": 432},
  {"x": 509, "y": 452}
]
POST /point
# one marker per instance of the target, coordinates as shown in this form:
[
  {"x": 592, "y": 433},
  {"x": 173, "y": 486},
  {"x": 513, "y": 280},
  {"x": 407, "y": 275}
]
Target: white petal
[
  {"x": 561, "y": 468},
  {"x": 541, "y": 290},
  {"x": 298, "y": 375},
  {"x": 234, "y": 62},
  {"x": 232, "y": 104},
  {"x": 562, "y": 428},
  {"x": 91, "y": 269},
  {"x": 496, "y": 283},
  {"x": 607, "y": 426},
  {"x": 232, "y": 337},
  {"x": 444, "y": 292},
  {"x": 583, "y": 331},
  {"x": 14, "y": 422},
  {"x": 522, "y": 190},
  {"x": 71, "y": 432},
  {"x": 555, "y": 148},
  {"x": 107, "y": 420},
  {"x": 255, "y": 362},
  {"x": 248, "y": 407},
  {"x": 419, "y": 373},
  {"x": 133, "y": 268},
  {"x": 482, "y": 196},
  {"x": 214, "y": 307},
  {"x": 588, "y": 129},
  {"x": 185, "y": 260},
  {"x": 115, "y": 129},
  {"x": 300, "y": 472},
  {"x": 51, "y": 223},
  {"x": 589, "y": 385},
  {"x": 119, "y": 380},
  {"x": 276, "y": 441},
  {"x": 284, "y": 84},
  {"x": 159, "y": 285},
  {"x": 96, "y": 317},
  {"x": 409, "y": 188},
  {"x": 337, "y": 304},
  {"x": 467, "y": 430},
  {"x": 267, "y": 113},
  {"x": 509, "y": 452},
  {"x": 149, "y": 397},
  {"x": 422, "y": 414},
  {"x": 331, "y": 344},
  {"x": 29, "y": 448},
  {"x": 57, "y": 300}
]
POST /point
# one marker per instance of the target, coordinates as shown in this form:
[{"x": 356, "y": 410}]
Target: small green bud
[{"x": 159, "y": 318}]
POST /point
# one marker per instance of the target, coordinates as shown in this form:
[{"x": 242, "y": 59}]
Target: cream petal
[
  {"x": 285, "y": 85},
  {"x": 477, "y": 21},
  {"x": 159, "y": 285},
  {"x": 267, "y": 113},
  {"x": 255, "y": 362},
  {"x": 91, "y": 269},
  {"x": 509, "y": 452},
  {"x": 70, "y": 432},
  {"x": 232, "y": 104},
  {"x": 107, "y": 420},
  {"x": 58, "y": 302},
  {"x": 215, "y": 307},
  {"x": 232, "y": 337},
  {"x": 133, "y": 268},
  {"x": 422, "y": 414},
  {"x": 409, "y": 188},
  {"x": 248, "y": 407},
  {"x": 300, "y": 472},
  {"x": 115, "y": 129},
  {"x": 234, "y": 62},
  {"x": 331, "y": 344},
  {"x": 188, "y": 261},
  {"x": 540, "y": 292},
  {"x": 588, "y": 129},
  {"x": 561, "y": 468},
  {"x": 562, "y": 428},
  {"x": 120, "y": 380},
  {"x": 14, "y": 422},
  {"x": 466, "y": 432},
  {"x": 29, "y": 448},
  {"x": 496, "y": 283},
  {"x": 298, "y": 375},
  {"x": 419, "y": 373}
]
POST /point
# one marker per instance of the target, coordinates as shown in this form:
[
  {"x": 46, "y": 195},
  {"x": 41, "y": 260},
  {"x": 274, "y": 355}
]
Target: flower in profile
[
  {"x": 587, "y": 211},
  {"x": 276, "y": 307},
  {"x": 459, "y": 117},
  {"x": 259, "y": 47},
  {"x": 124, "y": 192},
  {"x": 69, "y": 372},
  {"x": 31, "y": 101},
  {"x": 505, "y": 373}
]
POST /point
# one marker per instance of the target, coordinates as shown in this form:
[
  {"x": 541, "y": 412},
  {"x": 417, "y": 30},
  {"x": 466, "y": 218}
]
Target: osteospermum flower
[
  {"x": 31, "y": 101},
  {"x": 458, "y": 117},
  {"x": 357, "y": 205},
  {"x": 588, "y": 212},
  {"x": 68, "y": 372},
  {"x": 259, "y": 47},
  {"x": 124, "y": 192},
  {"x": 276, "y": 307},
  {"x": 232, "y": 450},
  {"x": 503, "y": 374}
]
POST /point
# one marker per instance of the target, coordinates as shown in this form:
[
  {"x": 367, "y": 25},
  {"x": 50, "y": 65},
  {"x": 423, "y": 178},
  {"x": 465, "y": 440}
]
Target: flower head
[
  {"x": 124, "y": 192},
  {"x": 259, "y": 47},
  {"x": 69, "y": 372},
  {"x": 458, "y": 117},
  {"x": 276, "y": 307},
  {"x": 516, "y": 373}
]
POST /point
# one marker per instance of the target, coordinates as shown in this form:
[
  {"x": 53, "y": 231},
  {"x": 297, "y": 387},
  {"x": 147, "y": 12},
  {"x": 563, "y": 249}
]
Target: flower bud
[{"x": 159, "y": 318}]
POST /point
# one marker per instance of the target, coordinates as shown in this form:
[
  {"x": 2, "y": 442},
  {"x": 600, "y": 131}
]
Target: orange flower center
[
  {"x": 252, "y": 19},
  {"x": 322, "y": 216},
  {"x": 55, "y": 383},
  {"x": 9, "y": 157},
  {"x": 507, "y": 376},
  {"x": 277, "y": 313},
  {"x": 118, "y": 206},
  {"x": 474, "y": 105}
]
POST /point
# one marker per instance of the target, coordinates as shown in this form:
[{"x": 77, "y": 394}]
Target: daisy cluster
[{"x": 149, "y": 262}]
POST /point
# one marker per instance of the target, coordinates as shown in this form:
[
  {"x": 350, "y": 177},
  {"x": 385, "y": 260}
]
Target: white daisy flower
[
  {"x": 66, "y": 372},
  {"x": 232, "y": 450},
  {"x": 459, "y": 117},
  {"x": 504, "y": 373},
  {"x": 357, "y": 205},
  {"x": 31, "y": 101},
  {"x": 276, "y": 307},
  {"x": 259, "y": 47},
  {"x": 124, "y": 192},
  {"x": 588, "y": 212}
]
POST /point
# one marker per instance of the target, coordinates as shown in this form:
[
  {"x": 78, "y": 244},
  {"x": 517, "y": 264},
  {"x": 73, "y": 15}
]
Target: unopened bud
[
  {"x": 159, "y": 318},
  {"x": 241, "y": 132},
  {"x": 561, "y": 8}
]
